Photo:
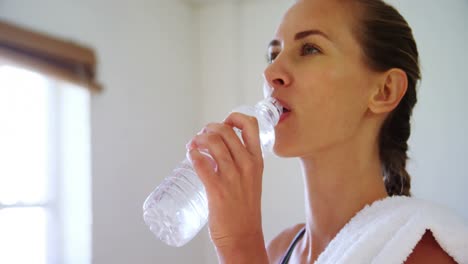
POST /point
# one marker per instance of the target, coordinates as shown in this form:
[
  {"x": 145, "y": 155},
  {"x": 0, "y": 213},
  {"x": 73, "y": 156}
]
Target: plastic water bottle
[{"x": 178, "y": 208}]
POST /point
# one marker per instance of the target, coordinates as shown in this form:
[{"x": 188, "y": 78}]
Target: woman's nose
[{"x": 276, "y": 75}]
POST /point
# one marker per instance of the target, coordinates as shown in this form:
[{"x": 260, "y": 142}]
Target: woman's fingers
[
  {"x": 203, "y": 167},
  {"x": 237, "y": 150},
  {"x": 234, "y": 190},
  {"x": 250, "y": 131},
  {"x": 214, "y": 145},
  {"x": 234, "y": 158}
]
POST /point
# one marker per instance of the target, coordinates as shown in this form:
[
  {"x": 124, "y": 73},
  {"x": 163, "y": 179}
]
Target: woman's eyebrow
[
  {"x": 301, "y": 35},
  {"x": 304, "y": 34}
]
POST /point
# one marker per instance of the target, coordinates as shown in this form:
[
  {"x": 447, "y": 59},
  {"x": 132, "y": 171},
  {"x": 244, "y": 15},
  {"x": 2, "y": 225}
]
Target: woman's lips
[
  {"x": 286, "y": 110},
  {"x": 284, "y": 116}
]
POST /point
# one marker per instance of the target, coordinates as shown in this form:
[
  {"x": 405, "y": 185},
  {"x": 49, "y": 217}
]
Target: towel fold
[{"x": 387, "y": 231}]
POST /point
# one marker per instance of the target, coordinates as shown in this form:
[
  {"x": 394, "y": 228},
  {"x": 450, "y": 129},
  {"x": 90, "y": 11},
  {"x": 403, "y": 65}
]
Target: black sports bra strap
[{"x": 298, "y": 237}]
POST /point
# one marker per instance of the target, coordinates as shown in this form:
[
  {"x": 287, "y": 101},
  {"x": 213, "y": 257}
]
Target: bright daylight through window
[{"x": 44, "y": 170}]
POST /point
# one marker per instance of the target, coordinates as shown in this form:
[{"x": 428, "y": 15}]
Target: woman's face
[{"x": 317, "y": 71}]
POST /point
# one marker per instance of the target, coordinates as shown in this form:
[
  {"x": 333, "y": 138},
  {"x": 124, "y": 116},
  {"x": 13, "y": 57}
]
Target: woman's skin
[{"x": 337, "y": 105}]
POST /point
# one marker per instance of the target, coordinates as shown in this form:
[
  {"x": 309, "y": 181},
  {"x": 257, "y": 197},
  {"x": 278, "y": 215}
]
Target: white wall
[
  {"x": 219, "y": 59},
  {"x": 438, "y": 145},
  {"x": 142, "y": 120}
]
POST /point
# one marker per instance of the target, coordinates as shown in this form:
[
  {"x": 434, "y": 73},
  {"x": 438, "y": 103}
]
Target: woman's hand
[{"x": 234, "y": 188}]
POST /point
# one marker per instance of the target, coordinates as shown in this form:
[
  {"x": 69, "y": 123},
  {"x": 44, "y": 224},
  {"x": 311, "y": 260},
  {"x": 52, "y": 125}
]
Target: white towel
[{"x": 388, "y": 230}]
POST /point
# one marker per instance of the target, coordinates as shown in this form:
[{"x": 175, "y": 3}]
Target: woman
[{"x": 346, "y": 73}]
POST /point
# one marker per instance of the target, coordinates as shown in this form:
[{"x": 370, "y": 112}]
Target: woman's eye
[
  {"x": 308, "y": 49},
  {"x": 271, "y": 57}
]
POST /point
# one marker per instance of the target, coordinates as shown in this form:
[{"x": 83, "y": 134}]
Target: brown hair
[{"x": 387, "y": 42}]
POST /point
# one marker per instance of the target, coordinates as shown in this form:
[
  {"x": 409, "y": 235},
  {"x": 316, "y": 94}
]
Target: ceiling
[{"x": 203, "y": 2}]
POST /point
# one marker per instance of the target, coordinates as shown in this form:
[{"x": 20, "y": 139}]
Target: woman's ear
[{"x": 387, "y": 95}]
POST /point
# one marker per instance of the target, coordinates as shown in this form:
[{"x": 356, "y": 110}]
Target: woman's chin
[{"x": 282, "y": 151}]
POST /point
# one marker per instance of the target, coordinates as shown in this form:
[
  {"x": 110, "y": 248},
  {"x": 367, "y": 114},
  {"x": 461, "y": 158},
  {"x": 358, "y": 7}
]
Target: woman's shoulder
[
  {"x": 428, "y": 250},
  {"x": 278, "y": 246},
  {"x": 445, "y": 234}
]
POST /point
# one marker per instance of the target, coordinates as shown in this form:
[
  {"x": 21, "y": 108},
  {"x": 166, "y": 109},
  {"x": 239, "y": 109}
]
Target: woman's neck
[{"x": 339, "y": 182}]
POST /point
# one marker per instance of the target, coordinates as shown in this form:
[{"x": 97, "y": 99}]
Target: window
[
  {"x": 45, "y": 212},
  {"x": 45, "y": 196}
]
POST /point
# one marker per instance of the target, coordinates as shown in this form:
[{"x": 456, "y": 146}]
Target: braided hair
[{"x": 387, "y": 42}]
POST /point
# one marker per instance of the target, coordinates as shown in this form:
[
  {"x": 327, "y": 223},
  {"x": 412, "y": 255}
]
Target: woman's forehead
[{"x": 327, "y": 16}]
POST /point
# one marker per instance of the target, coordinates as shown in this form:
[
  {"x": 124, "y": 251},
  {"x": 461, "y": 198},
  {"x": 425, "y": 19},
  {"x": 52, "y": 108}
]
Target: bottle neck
[{"x": 270, "y": 109}]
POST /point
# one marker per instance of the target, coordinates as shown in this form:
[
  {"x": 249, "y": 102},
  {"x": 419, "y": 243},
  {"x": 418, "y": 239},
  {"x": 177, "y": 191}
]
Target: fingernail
[
  {"x": 189, "y": 156},
  {"x": 189, "y": 145},
  {"x": 191, "y": 153}
]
